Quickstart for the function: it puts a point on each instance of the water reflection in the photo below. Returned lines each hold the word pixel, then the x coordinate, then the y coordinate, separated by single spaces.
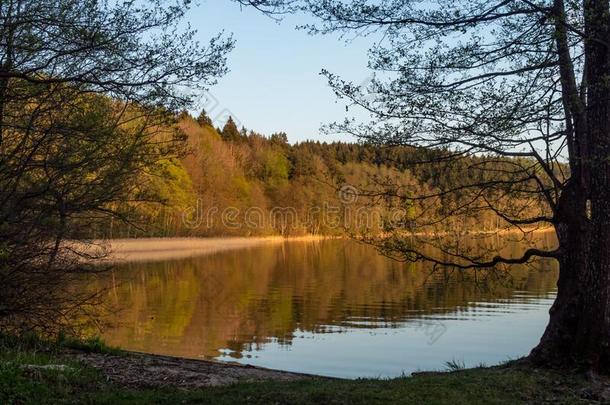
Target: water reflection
pixel 330 307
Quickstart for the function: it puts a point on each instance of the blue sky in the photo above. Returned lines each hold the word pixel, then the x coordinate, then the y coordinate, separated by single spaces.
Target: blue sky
pixel 274 83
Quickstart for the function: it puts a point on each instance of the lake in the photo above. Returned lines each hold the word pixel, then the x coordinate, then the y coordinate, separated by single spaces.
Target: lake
pixel 330 307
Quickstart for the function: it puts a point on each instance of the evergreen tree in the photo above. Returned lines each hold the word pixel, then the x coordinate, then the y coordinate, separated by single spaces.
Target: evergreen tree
pixel 203 119
pixel 230 132
pixel 279 138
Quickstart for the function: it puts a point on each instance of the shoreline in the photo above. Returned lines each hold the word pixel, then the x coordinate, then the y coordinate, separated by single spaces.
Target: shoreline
pixel 114 251
pixel 94 374
pixel 137 250
pixel 146 370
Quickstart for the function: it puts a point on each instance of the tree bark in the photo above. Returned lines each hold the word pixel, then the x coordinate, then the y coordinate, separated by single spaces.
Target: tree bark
pixel 557 345
pixel 578 332
pixel 595 334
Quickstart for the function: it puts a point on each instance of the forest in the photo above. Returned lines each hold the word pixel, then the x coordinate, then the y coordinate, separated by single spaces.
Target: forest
pixel 237 182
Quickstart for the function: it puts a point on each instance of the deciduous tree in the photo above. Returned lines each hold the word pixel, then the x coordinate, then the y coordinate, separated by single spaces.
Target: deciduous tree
pixel 88 94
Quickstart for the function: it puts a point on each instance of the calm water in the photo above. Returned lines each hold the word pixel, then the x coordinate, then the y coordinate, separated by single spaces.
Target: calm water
pixel 334 308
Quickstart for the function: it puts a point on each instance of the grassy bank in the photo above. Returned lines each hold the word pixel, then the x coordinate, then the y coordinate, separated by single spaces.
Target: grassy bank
pixel 31 372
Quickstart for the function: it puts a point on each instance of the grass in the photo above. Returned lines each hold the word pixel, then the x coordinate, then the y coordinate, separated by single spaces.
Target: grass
pixel 92 344
pixel 455 365
pixel 32 343
pixel 508 384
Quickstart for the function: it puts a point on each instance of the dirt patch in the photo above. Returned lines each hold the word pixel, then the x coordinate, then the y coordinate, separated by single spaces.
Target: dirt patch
pixel 139 370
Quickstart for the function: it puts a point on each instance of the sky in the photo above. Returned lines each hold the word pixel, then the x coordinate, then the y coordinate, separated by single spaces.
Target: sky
pixel 274 83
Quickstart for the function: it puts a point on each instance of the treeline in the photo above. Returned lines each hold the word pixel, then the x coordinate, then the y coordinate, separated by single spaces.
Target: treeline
pixel 230 181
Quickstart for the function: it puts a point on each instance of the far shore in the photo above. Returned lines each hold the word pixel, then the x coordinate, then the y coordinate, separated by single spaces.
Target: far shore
pixel 159 249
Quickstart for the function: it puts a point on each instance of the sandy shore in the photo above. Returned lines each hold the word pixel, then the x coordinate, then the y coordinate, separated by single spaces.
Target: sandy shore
pixel 158 249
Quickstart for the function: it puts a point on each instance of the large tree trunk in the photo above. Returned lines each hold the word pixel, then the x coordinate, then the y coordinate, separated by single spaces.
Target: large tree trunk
pixel 578 332
pixel 597 273
pixel 558 345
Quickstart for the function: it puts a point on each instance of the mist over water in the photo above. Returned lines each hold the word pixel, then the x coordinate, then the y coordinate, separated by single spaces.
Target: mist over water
pixel 333 307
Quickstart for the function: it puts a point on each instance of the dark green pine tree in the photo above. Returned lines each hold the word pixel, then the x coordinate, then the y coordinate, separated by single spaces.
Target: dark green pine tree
pixel 203 119
pixel 230 132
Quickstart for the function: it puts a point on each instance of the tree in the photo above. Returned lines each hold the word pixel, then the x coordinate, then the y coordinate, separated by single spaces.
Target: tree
pixel 523 83
pixel 89 92
pixel 230 132
pixel 279 138
pixel 203 119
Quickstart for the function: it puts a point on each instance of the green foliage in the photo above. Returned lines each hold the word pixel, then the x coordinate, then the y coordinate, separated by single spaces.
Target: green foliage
pixel 171 184
pixel 276 168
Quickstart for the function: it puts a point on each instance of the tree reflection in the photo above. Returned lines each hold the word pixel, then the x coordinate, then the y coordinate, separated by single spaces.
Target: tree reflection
pixel 243 299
